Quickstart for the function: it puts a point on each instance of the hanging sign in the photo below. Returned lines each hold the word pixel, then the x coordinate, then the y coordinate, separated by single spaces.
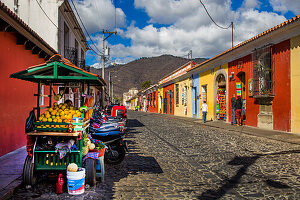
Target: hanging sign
pixel 239 89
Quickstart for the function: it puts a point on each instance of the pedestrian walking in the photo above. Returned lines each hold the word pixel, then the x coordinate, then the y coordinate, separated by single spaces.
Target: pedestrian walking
pixel 238 111
pixel 233 102
pixel 204 109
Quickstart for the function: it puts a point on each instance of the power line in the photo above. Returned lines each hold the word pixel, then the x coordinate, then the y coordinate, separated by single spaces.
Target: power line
pixel 46 14
pixel 231 24
pixel 86 30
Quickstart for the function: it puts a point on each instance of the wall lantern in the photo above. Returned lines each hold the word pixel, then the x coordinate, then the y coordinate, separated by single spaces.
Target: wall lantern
pixel 231 75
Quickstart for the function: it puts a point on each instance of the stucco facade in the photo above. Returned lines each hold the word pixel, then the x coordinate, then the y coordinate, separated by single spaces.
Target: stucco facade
pixel 183 106
pixel 295 84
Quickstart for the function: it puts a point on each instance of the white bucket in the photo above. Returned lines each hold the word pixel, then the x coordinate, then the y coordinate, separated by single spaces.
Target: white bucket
pixel 76 181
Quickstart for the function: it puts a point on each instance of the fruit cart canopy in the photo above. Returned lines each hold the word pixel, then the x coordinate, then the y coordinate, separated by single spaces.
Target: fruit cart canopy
pixel 58 70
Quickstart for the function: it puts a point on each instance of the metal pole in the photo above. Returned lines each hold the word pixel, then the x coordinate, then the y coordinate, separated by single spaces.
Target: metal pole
pixel 112 92
pixel 109 78
pixel 231 34
pixel 103 52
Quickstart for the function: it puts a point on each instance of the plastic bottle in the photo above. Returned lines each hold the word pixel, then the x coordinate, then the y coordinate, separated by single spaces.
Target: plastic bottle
pixel 60 184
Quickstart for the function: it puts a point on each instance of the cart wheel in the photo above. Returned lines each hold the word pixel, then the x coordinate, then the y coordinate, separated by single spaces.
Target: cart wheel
pixel 102 169
pixel 29 174
pixel 90 170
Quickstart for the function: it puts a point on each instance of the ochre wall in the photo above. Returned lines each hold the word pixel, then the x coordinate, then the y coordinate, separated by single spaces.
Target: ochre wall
pixel 207 78
pixel 16 96
pixel 179 108
pixel 295 84
pixel 282 100
pixel 252 107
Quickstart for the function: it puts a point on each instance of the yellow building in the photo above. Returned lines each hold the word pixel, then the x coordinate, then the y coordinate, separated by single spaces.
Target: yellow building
pixel 295 83
pixel 160 96
pixel 213 83
pixel 182 93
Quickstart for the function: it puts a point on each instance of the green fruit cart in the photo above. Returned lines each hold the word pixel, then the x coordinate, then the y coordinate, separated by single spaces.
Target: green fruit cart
pixel 54 73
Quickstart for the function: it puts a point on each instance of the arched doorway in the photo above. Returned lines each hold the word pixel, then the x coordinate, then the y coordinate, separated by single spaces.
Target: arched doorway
pixel 221 97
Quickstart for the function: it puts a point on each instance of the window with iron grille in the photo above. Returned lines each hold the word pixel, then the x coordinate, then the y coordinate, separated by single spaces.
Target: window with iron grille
pixel 263 72
pixel 177 94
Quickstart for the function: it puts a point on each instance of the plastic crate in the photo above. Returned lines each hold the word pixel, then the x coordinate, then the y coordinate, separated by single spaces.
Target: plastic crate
pixel 49 160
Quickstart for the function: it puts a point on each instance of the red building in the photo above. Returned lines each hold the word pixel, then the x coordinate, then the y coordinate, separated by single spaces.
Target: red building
pixel 151 94
pixel 168 99
pixel 253 78
pixel 20 48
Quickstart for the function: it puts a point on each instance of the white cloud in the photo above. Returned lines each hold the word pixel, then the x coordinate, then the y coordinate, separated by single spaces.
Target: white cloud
pixel 189 27
pixel 284 6
pixel 100 14
pixel 251 4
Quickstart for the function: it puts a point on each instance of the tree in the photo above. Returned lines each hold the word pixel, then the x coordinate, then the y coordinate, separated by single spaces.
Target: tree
pixel 146 84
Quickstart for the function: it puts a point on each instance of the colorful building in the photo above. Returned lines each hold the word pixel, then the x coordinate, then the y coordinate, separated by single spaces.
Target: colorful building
pixel 172 86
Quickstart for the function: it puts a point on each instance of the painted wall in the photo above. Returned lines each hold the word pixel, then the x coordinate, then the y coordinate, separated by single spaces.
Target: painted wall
pixel 153 107
pixel 160 94
pixel 179 109
pixel 295 83
pixel 252 106
pixel 208 79
pixel 282 100
pixel 31 13
pixel 194 94
pixel 166 91
pixel 16 96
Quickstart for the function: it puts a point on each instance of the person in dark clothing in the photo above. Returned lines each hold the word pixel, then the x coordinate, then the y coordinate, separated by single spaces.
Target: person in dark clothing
pixel 233 102
pixel 238 111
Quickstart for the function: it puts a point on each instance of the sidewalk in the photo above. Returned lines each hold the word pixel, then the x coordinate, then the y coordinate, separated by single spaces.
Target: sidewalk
pixel 11 170
pixel 270 134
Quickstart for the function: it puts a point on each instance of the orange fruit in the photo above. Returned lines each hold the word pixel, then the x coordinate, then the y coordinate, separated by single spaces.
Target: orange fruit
pixel 55 120
pixel 44 119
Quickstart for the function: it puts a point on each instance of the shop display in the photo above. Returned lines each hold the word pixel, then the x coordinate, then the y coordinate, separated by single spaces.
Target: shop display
pixel 221 104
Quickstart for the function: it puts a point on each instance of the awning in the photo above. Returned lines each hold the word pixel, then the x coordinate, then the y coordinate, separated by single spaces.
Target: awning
pixel 56 71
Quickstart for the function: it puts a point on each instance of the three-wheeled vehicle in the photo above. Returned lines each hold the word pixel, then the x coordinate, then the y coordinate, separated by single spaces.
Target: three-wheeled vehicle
pixel 54 73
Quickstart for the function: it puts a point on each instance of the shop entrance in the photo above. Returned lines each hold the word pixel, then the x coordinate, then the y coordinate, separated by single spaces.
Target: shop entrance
pixel 241 91
pixel 221 97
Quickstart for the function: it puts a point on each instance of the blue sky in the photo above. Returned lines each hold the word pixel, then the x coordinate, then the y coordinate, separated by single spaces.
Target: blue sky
pixel 152 28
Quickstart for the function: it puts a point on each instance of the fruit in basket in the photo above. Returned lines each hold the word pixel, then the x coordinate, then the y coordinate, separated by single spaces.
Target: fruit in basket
pixel 49 119
pixel 72 167
pixel 44 119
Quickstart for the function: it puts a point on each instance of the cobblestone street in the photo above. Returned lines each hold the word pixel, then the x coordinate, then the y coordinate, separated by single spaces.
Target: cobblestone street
pixel 177 158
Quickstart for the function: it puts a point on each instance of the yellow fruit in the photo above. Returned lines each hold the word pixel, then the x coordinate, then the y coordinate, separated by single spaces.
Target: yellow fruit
pixel 39 126
pixel 57 113
pixel 53 116
pixel 52 126
pixel 53 112
pixel 54 120
pixel 62 113
pixel 44 119
pixel 62 117
pixel 46 112
pixel 41 118
pixel 59 110
pixel 78 115
pixel 62 126
pixel 49 119
pixel 48 115
pixel 47 126
pixel 72 111
pixel 50 109
pixel 55 104
pixel 63 107
pixel 69 116
pixel 59 120
pixel 66 121
pixel 56 126
pixel 66 112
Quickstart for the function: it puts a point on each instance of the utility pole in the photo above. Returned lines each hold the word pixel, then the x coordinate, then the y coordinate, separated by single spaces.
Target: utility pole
pixel 112 92
pixel 103 47
pixel 109 79
pixel 231 34
pixel 103 55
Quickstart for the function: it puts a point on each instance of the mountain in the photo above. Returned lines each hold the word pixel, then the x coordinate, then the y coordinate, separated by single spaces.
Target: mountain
pixel 133 74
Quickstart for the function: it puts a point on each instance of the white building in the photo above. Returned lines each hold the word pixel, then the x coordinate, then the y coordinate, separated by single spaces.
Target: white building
pixel 55 22
pixel 128 95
